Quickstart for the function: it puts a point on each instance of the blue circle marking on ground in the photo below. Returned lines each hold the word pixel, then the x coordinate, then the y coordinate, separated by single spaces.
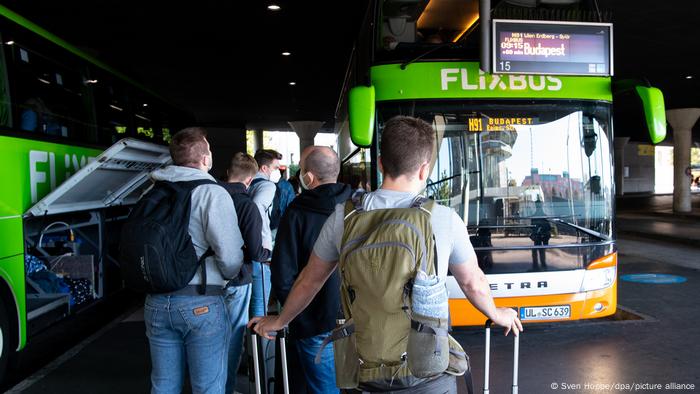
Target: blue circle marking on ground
pixel 658 279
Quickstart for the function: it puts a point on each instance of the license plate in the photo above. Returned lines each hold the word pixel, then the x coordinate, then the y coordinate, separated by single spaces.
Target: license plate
pixel 545 312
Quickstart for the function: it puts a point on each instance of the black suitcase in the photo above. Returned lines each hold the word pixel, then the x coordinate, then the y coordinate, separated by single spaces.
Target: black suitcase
pixel 487 359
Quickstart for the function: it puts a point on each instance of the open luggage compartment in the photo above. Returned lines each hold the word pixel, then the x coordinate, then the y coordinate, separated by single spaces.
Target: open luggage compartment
pixel 72 234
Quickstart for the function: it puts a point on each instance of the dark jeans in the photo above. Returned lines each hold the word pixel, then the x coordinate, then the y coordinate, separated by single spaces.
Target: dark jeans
pixel 320 378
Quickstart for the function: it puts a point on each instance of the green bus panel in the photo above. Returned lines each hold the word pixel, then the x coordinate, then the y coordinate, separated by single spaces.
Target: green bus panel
pixel 436 80
pixel 31 169
pixel 11 233
pixel 12 272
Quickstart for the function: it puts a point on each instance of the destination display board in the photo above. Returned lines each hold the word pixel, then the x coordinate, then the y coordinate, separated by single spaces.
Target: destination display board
pixel 555 48
pixel 499 124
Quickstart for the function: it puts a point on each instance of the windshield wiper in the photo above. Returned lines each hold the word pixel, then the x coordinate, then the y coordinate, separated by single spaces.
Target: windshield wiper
pixel 579 228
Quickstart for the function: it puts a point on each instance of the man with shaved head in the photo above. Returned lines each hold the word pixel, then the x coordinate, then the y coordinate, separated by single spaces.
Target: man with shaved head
pixel 298 230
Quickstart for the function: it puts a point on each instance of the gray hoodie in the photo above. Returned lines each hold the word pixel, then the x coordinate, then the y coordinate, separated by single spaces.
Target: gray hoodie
pixel 213 223
pixel 263 193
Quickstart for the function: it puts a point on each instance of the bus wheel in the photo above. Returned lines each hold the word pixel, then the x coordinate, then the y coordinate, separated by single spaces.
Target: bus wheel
pixel 5 341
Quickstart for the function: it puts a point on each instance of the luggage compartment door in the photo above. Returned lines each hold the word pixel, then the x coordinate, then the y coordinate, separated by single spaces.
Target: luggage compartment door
pixel 118 176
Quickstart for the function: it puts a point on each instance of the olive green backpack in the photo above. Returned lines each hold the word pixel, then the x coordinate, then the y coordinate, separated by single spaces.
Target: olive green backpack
pixel 382 344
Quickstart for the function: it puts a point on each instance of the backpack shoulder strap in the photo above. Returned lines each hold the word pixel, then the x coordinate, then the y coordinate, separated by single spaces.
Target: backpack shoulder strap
pixel 188 187
pixel 185 186
pixel 258 180
pixel 424 204
pixel 197 182
pixel 354 204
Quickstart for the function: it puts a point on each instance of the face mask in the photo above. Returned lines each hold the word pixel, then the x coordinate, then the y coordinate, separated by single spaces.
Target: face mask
pixel 303 184
pixel 275 176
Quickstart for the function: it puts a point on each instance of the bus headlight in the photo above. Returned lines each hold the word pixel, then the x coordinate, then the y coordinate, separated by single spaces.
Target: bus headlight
pixel 600 278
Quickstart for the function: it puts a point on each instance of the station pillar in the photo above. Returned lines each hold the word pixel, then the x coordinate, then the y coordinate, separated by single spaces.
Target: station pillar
pixel 259 142
pixel 682 121
pixel 306 130
pixel 620 143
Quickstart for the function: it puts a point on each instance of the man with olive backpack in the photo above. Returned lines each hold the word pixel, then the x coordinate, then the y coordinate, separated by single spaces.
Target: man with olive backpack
pixel 394 247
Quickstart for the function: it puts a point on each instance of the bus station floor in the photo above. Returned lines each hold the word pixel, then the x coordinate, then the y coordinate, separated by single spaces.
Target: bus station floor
pixel 653 217
pixel 653 340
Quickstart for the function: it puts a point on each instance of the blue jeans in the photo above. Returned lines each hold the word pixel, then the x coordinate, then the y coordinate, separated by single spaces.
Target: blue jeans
pixel 320 378
pixel 187 330
pixel 258 300
pixel 237 300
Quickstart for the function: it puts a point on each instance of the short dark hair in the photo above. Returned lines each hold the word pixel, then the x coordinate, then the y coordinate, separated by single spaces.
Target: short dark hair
pixel 407 142
pixel 188 146
pixel 242 166
pixel 324 163
pixel 265 157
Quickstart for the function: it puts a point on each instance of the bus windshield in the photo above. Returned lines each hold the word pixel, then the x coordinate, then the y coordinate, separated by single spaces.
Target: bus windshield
pixel 407 29
pixel 518 173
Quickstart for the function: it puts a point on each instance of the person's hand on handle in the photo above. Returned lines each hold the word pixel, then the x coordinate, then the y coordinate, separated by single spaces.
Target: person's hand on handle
pixel 508 318
pixel 264 326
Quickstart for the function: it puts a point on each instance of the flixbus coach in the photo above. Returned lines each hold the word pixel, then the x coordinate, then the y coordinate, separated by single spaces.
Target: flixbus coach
pixel 521 105
pixel 65 190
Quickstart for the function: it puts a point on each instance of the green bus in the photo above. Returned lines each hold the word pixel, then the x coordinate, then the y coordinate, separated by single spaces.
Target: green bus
pixel 60 111
pixel 525 159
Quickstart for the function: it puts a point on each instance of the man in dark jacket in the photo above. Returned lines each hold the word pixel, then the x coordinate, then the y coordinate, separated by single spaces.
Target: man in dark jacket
pixel 238 291
pixel 299 228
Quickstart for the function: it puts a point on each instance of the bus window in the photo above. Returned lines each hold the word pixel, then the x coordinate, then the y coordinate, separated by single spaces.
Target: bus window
pixel 551 168
pixel 357 169
pixel 112 107
pixel 5 104
pixel 165 130
pixel 445 182
pixel 505 168
pixel 48 98
pixel 143 119
pixel 417 25
pixel 166 122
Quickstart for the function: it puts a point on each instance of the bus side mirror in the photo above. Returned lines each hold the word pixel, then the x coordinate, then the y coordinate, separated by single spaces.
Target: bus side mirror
pixel 361 109
pixel 654 112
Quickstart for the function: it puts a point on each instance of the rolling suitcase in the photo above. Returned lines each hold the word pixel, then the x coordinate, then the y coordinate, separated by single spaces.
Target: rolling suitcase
pixel 487 359
pixel 261 384
pixel 262 376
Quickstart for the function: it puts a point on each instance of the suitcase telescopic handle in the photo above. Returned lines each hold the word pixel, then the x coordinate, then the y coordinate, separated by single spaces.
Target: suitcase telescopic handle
pixel 487 358
pixel 282 335
pixel 256 366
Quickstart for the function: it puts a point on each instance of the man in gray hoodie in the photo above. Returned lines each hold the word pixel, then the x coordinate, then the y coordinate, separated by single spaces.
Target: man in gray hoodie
pixel 184 327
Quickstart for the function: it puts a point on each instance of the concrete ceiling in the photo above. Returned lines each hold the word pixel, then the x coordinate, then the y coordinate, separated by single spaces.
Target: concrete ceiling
pixel 222 60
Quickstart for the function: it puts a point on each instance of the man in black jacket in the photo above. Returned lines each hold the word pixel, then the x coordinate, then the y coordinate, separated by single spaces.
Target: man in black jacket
pixel 297 233
pixel 238 291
